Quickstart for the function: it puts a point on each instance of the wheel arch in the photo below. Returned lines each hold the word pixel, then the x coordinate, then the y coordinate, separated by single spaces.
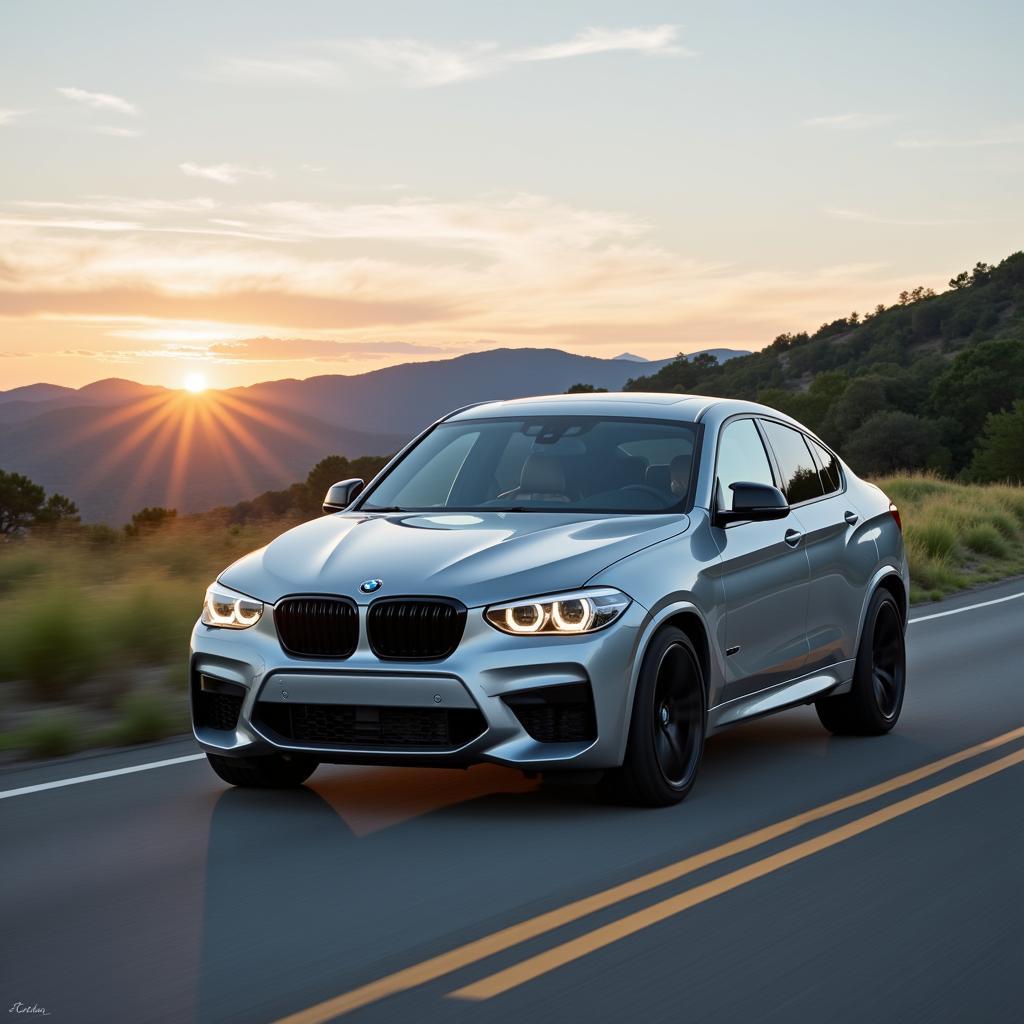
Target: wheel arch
pixel 893 582
pixel 686 616
pixel 693 626
pixel 887 578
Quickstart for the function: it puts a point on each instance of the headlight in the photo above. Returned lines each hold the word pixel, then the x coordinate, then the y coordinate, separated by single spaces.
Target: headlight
pixel 227 609
pixel 584 611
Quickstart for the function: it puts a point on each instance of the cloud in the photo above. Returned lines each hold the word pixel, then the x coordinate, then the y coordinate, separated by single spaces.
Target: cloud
pixel 224 174
pixel 8 116
pixel 862 217
pixel 117 132
pixel 99 100
pixel 421 64
pixel 848 120
pixel 281 350
pixel 661 40
pixel 335 281
pixel 299 69
pixel 1010 136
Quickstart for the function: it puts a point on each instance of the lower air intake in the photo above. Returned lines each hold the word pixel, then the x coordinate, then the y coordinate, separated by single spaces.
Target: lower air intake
pixel 358 726
pixel 216 704
pixel 556 714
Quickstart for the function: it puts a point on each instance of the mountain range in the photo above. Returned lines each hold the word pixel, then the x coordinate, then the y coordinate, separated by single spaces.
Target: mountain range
pixel 115 446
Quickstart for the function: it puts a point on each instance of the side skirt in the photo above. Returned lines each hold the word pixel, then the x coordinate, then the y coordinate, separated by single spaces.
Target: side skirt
pixel 806 689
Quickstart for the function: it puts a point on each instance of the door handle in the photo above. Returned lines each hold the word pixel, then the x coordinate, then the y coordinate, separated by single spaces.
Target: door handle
pixel 793 537
pixel 851 518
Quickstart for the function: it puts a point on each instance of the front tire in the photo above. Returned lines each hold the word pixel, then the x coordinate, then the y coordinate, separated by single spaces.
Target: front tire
pixel 666 730
pixel 873 705
pixel 271 771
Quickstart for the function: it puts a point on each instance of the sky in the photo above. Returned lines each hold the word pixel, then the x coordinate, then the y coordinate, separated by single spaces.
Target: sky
pixel 250 191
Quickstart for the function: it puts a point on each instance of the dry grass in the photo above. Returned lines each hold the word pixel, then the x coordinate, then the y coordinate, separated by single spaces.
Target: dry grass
pixel 958 535
pixel 90 618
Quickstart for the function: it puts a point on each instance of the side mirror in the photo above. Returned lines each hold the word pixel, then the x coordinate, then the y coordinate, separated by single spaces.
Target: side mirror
pixel 341 495
pixel 753 503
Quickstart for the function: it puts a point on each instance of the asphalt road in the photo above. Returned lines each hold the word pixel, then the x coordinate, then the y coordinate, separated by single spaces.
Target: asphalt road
pixel 162 895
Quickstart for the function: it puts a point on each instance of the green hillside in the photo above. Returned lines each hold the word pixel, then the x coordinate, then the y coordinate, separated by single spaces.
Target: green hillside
pixel 934 382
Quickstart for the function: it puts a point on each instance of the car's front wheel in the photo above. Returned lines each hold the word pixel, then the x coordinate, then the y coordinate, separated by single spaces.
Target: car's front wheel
pixel 873 704
pixel 270 771
pixel 666 731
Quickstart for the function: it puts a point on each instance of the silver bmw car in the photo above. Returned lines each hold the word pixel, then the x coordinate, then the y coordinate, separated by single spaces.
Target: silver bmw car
pixel 587 584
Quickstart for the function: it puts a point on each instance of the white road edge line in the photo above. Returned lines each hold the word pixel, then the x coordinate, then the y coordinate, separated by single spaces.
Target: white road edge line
pixel 966 608
pixel 60 783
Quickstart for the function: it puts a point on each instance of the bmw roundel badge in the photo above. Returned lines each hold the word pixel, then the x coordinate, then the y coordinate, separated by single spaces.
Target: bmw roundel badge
pixel 371 586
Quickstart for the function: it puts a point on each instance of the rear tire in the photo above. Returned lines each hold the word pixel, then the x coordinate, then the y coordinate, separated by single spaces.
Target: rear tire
pixel 872 707
pixel 270 771
pixel 666 729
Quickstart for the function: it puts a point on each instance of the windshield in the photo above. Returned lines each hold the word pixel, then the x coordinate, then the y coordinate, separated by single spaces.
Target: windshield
pixel 554 464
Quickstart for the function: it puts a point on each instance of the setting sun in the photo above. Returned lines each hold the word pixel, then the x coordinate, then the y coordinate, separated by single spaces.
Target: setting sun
pixel 195 382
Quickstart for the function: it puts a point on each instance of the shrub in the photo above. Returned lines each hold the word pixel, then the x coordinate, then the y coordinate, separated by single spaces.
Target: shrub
pixel 142 718
pixel 49 735
pixel 936 536
pixel 49 641
pixel 985 539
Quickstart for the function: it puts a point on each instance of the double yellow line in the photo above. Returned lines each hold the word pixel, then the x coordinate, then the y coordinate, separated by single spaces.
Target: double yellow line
pixel 535 966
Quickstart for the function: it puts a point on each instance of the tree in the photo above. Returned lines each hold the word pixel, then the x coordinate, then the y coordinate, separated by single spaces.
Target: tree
pixel 892 441
pixel 149 520
pixel 23 505
pixel 58 509
pixel 983 379
pixel 862 398
pixel 704 361
pixel 1000 452
pixel 584 389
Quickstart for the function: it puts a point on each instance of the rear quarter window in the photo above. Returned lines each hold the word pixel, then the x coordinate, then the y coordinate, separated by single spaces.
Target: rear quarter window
pixel 800 478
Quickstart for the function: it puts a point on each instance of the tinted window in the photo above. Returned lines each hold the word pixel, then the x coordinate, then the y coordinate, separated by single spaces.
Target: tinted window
pixel 557 464
pixel 741 458
pixel 828 466
pixel 800 480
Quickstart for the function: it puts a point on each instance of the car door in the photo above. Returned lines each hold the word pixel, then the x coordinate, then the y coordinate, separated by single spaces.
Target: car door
pixel 765 573
pixel 814 485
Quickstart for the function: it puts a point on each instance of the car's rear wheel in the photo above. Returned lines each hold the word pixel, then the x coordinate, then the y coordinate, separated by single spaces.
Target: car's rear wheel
pixel 666 731
pixel 873 705
pixel 270 771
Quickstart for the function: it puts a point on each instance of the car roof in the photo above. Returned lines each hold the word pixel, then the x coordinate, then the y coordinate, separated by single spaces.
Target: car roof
pixel 640 404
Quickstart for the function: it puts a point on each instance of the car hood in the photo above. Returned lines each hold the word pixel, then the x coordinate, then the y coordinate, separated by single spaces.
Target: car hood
pixel 478 558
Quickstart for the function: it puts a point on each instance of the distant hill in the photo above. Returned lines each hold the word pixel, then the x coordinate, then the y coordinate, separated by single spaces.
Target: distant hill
pixel 115 445
pixel 115 459
pixel 409 396
pixel 908 386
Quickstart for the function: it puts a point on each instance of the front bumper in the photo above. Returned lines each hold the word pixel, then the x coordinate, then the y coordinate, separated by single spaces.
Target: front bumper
pixel 487 667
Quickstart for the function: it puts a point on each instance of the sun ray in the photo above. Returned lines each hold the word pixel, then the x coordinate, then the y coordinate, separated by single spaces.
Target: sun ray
pixel 238 432
pixel 249 408
pixel 132 440
pixel 211 430
pixel 180 459
pixel 155 452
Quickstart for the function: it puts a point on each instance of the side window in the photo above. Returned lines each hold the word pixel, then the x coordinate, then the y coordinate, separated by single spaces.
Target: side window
pixel 800 480
pixel 741 457
pixel 828 467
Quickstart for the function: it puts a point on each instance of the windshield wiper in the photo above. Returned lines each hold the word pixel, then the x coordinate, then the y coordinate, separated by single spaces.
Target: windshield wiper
pixel 385 508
